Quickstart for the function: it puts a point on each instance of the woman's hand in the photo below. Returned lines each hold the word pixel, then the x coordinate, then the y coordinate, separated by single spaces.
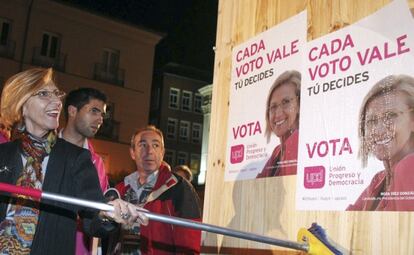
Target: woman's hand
pixel 126 213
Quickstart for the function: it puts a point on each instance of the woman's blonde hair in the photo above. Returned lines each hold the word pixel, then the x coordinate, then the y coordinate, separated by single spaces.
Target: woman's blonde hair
pixel 288 77
pixel 392 83
pixel 18 89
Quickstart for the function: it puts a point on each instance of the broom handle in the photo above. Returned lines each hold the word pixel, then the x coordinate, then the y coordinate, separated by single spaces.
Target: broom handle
pixel 38 194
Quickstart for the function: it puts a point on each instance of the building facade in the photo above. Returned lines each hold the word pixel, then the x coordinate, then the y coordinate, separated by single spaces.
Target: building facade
pixel 176 108
pixel 206 93
pixel 85 50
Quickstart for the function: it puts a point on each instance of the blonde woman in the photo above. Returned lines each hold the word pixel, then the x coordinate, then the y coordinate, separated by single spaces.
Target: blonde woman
pixel 386 131
pixel 282 119
pixel 37 158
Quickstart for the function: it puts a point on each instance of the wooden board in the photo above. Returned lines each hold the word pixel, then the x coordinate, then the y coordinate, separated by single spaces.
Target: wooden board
pixel 267 206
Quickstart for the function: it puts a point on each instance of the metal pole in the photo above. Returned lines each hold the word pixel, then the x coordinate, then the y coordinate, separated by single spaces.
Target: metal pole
pixel 225 231
pixel 183 222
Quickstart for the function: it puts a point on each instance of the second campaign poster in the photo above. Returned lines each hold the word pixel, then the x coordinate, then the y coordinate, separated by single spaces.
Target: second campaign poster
pixel 356 144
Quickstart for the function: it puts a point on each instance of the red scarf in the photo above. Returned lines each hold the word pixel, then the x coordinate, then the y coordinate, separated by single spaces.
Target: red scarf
pixel 35 149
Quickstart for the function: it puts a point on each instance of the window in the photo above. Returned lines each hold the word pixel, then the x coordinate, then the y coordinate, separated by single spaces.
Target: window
pixel 5 27
pixel 196 133
pixel 172 128
pixel 182 158
pixel 174 96
pixel 186 100
pixel 198 100
pixel 195 163
pixel 50 45
pixel 108 69
pixel 110 60
pixel 7 46
pixel 184 130
pixel 169 157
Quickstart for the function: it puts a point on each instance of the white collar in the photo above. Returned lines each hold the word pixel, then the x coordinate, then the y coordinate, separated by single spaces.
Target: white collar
pixel 132 180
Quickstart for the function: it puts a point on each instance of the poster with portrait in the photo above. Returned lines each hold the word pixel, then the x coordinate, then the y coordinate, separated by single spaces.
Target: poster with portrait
pixel 251 138
pixel 356 142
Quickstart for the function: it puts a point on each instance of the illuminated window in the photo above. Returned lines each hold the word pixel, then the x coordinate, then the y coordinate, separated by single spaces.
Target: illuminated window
pixel 172 128
pixel 196 133
pixel 169 157
pixel 184 131
pixel 198 100
pixel 174 97
pixel 5 27
pixel 50 45
pixel 186 100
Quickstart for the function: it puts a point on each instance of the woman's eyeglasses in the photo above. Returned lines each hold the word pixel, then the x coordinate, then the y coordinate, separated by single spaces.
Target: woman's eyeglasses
pixel 47 94
pixel 284 105
pixel 387 118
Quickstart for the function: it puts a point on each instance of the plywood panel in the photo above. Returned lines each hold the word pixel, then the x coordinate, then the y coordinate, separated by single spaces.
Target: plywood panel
pixel 267 206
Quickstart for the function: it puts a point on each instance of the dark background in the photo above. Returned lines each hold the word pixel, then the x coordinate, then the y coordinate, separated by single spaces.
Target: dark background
pixel 188 26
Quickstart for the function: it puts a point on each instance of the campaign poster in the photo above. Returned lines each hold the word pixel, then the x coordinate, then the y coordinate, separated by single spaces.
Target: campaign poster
pixel 356 143
pixel 253 138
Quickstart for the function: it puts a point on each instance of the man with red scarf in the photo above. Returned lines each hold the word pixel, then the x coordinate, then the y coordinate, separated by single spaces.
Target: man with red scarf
pixel 158 190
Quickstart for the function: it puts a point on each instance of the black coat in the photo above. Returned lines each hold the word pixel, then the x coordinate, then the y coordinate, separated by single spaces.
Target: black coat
pixel 69 172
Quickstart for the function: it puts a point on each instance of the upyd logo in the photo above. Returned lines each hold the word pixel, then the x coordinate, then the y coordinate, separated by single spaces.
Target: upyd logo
pixel 236 153
pixel 314 177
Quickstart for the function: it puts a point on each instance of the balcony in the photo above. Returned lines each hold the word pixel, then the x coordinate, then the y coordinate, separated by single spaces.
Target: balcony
pixel 7 50
pixel 109 130
pixel 109 75
pixel 58 62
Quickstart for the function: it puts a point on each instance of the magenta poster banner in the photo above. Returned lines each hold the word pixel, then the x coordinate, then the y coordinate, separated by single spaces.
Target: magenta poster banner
pixel 262 114
pixel 356 142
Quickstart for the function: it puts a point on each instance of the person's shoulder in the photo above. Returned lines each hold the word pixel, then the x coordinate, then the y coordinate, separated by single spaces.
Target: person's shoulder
pixel 182 183
pixel 178 178
pixel 293 138
pixel 68 148
pixel 8 145
pixel 403 169
pixel 3 138
pixel 378 177
pixel 406 163
pixel 164 173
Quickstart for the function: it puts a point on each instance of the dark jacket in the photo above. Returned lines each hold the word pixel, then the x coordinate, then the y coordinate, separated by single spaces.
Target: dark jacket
pixel 69 172
pixel 171 196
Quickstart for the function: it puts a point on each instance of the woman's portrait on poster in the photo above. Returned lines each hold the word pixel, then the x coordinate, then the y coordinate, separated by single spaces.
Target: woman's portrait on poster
pixel 282 120
pixel 386 132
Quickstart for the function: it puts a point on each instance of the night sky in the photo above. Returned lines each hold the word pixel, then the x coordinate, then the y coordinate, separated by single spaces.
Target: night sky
pixel 189 26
